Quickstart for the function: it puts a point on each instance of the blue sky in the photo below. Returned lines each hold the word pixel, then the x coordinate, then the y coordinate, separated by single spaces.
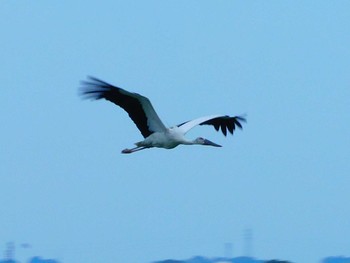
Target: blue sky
pixel 67 190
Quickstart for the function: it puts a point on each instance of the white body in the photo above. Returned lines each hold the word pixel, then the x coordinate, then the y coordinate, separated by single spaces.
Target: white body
pixel 169 139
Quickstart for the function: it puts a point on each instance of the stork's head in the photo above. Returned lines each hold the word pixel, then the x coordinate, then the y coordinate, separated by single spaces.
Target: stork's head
pixel 202 141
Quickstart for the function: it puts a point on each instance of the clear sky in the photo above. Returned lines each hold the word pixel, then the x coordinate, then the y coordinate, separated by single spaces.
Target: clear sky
pixel 68 191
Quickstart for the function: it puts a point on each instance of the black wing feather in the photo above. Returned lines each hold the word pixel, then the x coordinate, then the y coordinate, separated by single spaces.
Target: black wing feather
pixel 98 89
pixel 225 123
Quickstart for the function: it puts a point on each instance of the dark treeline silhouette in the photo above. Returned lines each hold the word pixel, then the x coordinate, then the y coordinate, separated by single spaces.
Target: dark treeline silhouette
pixel 340 259
pixel 199 259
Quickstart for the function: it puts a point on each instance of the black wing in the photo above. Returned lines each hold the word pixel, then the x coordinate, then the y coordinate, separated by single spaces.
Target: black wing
pixel 137 106
pixel 225 123
pixel 218 121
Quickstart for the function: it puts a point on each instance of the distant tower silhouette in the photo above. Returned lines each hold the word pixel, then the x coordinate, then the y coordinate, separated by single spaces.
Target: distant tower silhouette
pixel 10 251
pixel 228 250
pixel 248 242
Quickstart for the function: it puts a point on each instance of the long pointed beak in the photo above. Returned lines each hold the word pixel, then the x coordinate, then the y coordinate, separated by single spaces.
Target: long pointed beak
pixel 207 142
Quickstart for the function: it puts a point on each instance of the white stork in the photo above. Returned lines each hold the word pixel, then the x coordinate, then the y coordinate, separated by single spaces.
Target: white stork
pixel 141 111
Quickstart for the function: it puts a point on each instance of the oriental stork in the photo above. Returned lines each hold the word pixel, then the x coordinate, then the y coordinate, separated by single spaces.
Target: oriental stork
pixel 142 113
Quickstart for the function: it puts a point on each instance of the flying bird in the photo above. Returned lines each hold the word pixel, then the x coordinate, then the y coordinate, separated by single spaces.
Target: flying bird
pixel 155 133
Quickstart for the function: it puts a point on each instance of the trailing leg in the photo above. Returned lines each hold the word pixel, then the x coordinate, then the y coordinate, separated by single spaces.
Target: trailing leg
pixel 134 149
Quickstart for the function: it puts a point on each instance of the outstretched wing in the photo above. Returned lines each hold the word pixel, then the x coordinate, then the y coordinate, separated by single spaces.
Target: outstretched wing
pixel 137 106
pixel 218 121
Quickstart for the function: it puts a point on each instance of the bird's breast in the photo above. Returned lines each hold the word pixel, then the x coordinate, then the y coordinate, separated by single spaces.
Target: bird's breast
pixel 167 140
